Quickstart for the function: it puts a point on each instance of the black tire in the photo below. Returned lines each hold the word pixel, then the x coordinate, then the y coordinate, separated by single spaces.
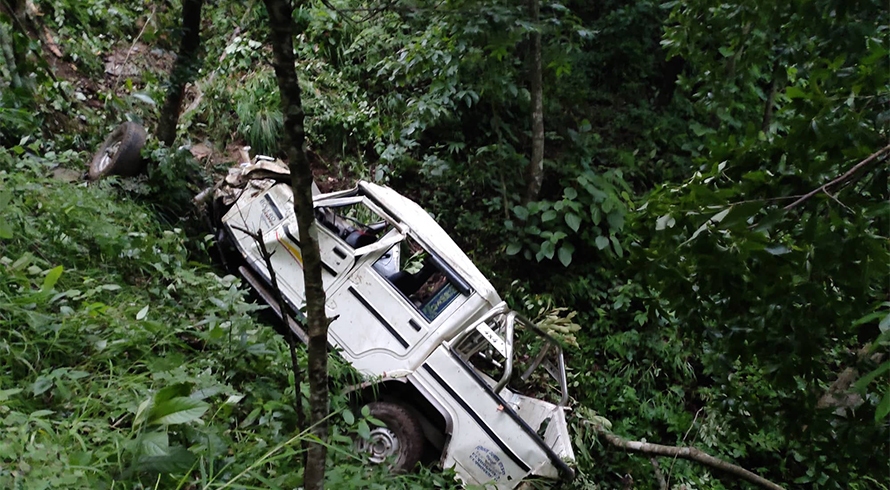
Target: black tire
pixel 120 153
pixel 399 443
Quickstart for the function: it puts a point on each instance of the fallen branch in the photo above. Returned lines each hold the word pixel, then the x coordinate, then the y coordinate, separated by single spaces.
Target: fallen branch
pixel 842 178
pixel 688 453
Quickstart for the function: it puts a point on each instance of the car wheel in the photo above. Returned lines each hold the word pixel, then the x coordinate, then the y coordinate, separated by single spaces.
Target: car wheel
pixel 399 442
pixel 120 153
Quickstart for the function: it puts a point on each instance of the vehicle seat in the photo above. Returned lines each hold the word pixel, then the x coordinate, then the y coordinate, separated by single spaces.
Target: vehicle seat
pixel 409 283
pixel 359 239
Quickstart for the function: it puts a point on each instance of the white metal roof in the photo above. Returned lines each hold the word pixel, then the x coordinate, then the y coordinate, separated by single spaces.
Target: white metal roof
pixel 425 228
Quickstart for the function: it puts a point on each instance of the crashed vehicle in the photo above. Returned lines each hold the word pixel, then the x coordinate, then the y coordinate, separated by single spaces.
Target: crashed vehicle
pixel 451 370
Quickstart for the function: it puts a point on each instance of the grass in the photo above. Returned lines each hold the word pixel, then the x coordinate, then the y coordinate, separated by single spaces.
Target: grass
pixel 126 361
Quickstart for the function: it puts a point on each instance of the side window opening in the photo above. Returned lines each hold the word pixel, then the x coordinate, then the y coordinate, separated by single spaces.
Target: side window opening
pixel 413 271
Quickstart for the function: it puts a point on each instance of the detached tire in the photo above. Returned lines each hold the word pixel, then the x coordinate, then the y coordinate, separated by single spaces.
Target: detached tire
pixel 119 154
pixel 400 440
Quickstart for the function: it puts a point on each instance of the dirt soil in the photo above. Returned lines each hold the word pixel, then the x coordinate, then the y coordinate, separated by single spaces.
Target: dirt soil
pixel 131 61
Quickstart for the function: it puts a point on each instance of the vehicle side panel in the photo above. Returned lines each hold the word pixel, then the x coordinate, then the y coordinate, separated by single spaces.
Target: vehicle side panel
pixel 488 443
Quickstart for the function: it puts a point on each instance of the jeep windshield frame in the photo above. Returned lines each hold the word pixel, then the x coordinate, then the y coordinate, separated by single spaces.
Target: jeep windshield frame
pixel 505 346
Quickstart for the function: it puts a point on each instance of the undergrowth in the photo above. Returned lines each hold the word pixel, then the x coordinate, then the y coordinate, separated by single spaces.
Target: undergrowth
pixel 126 363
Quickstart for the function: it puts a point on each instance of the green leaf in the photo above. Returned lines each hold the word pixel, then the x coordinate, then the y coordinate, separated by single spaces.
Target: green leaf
pixel 179 410
pixel 616 220
pixel 548 215
pixel 602 242
pixel 699 129
pixel 154 443
pixel 5 394
pixel 348 417
pixel 574 221
pixel 777 250
pixel 176 459
pixel 665 221
pixel 521 212
pixel 795 93
pixel 570 193
pixel 883 408
pixel 52 277
pixel 173 391
pixel 142 411
pixel 548 249
pixel 142 313
pixel 719 216
pixel 617 245
pixel 513 248
pixel 364 431
pixel 739 214
pixel 596 214
pixel 144 98
pixel 42 384
pixel 565 253
pixel 864 381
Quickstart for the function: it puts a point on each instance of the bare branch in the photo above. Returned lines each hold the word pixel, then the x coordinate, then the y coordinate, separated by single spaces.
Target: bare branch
pixel 117 81
pixel 688 453
pixel 842 178
pixel 292 336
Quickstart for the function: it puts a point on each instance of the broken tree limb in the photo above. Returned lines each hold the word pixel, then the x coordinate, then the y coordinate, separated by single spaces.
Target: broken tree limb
pixel 688 453
pixel 841 179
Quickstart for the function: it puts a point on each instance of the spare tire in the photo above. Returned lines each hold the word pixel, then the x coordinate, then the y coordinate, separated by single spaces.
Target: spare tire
pixel 120 153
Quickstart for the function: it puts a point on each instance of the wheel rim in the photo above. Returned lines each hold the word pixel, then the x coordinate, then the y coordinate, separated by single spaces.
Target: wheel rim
pixel 108 156
pixel 381 444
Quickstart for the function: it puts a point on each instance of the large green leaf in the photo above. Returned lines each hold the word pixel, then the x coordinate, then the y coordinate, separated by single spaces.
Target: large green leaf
pixel 178 410
pixel 574 221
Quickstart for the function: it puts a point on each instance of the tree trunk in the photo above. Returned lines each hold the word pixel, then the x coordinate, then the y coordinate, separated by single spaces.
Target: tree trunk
pixel 282 32
pixel 768 106
pixel 535 169
pixel 7 48
pixel 184 70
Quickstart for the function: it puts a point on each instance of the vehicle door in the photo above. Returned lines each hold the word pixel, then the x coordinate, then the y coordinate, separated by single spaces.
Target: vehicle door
pixel 395 297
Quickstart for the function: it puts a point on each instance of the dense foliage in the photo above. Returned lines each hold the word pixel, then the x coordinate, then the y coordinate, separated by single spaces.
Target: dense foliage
pixel 714 298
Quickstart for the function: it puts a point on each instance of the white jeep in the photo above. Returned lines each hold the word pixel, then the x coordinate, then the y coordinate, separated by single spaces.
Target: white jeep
pixel 451 369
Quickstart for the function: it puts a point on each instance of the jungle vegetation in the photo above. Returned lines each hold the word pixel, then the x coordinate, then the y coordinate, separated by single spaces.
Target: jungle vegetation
pixel 692 195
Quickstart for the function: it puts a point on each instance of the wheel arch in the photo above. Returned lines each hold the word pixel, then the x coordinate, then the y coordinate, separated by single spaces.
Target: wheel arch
pixel 435 421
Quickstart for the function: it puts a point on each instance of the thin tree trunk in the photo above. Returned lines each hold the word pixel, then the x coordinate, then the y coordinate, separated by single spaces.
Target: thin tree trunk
pixel 768 106
pixel 184 70
pixel 282 33
pixel 8 50
pixel 535 169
